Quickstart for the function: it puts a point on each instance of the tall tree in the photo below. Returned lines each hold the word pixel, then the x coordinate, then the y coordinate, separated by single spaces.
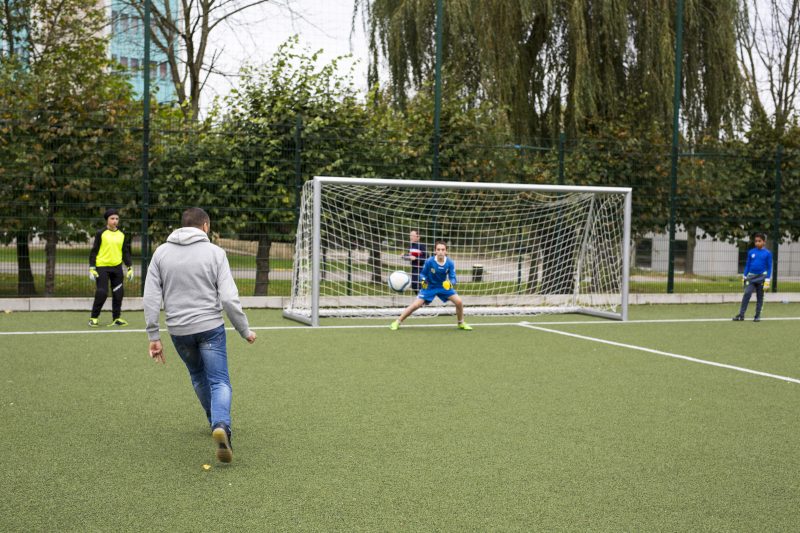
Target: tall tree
pixel 62 104
pixel 243 159
pixel 558 65
pixel 276 106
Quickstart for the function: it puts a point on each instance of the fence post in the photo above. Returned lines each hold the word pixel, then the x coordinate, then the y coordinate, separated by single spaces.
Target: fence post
pixel 145 238
pixel 437 90
pixel 561 143
pixel 673 182
pixel 298 162
pixel 776 229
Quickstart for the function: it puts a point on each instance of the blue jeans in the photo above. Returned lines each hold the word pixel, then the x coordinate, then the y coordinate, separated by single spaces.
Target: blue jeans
pixel 206 357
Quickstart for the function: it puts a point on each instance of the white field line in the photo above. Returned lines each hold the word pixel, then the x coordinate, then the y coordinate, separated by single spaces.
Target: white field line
pixel 659 352
pixel 405 326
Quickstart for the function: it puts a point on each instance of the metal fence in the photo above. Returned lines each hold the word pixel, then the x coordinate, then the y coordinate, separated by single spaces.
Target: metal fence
pixel 57 178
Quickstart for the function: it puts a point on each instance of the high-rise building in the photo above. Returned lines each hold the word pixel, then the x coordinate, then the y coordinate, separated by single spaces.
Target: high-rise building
pixel 16 45
pixel 126 46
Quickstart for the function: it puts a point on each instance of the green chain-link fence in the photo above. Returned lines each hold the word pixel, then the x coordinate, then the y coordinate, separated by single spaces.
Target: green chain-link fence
pixel 57 177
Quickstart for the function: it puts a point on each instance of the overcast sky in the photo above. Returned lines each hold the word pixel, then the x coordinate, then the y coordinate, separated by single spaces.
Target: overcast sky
pixel 320 24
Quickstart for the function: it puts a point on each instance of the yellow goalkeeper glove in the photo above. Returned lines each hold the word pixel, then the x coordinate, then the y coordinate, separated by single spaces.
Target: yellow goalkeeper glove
pixel 424 284
pixel 129 274
pixel 766 284
pixel 447 285
pixel 93 275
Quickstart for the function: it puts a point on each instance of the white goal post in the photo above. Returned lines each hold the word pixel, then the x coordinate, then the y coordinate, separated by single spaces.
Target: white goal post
pixel 518 249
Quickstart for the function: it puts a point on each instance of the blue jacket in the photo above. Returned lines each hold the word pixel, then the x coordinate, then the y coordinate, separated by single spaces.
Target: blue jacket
pixel 758 262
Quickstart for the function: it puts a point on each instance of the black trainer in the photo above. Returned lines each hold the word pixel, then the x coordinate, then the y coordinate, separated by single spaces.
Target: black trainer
pixel 222 439
pixel 738 318
pixel 756 318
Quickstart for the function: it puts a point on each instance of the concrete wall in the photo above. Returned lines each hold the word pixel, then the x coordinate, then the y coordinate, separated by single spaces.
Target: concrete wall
pixel 716 258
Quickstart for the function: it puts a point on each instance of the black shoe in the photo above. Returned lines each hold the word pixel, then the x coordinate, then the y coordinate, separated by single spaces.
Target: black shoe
pixel 738 318
pixel 756 318
pixel 222 439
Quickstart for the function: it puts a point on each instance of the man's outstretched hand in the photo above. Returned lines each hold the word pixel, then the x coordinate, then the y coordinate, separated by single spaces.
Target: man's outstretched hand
pixel 157 352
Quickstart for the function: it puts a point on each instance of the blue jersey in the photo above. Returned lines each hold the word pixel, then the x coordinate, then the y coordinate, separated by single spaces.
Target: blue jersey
pixel 435 274
pixel 759 262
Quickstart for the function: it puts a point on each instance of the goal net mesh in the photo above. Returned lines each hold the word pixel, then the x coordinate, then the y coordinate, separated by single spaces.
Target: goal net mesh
pixel 516 251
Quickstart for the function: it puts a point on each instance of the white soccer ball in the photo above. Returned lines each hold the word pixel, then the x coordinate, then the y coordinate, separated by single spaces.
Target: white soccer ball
pixel 399 281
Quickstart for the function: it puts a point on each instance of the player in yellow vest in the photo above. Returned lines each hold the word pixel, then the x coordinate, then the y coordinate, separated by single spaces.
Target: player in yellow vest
pixel 111 248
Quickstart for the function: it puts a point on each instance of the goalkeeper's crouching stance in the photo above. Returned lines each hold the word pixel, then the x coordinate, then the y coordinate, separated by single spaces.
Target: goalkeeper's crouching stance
pixel 437 279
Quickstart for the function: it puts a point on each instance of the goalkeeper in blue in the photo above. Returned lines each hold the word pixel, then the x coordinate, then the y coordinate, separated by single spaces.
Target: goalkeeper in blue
pixel 437 280
pixel 756 276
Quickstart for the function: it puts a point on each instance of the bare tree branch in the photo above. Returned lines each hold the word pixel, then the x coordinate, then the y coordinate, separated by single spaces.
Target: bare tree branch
pixel 769 57
pixel 185 37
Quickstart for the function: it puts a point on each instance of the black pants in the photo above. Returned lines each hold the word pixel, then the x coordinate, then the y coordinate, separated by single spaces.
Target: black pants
pixel 106 275
pixel 756 285
pixel 416 268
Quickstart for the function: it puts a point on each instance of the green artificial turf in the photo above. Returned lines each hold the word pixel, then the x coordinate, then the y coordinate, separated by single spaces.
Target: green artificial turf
pixel 425 428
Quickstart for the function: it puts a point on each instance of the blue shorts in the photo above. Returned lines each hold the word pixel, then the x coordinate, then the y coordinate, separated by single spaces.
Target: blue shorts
pixel 430 293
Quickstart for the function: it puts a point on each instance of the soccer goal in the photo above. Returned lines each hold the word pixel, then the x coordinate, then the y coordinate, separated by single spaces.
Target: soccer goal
pixel 518 249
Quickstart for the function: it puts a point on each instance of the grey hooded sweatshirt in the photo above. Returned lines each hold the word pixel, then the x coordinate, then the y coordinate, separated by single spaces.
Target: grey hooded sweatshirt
pixel 193 279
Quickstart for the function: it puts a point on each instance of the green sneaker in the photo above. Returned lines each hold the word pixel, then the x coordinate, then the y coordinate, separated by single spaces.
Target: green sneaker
pixel 464 326
pixel 94 323
pixel 118 322
pixel 394 325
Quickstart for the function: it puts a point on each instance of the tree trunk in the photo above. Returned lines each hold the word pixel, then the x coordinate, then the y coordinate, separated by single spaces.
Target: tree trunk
pixel 533 252
pixel 25 284
pixel 691 242
pixel 375 264
pixel 533 272
pixel 262 264
pixel 51 239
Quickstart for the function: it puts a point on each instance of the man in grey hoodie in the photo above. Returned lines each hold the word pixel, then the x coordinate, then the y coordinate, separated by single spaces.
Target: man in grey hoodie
pixel 193 279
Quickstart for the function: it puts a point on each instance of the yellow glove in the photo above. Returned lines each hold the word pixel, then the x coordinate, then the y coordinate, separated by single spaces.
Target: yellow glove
pixel 447 285
pixel 129 274
pixel 766 284
pixel 424 284
pixel 744 281
pixel 93 275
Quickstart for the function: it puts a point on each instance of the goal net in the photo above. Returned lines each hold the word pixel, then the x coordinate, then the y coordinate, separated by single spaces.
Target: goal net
pixel 518 249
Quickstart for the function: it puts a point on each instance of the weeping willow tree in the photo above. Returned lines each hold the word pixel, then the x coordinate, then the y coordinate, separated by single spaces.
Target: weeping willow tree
pixel 558 65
